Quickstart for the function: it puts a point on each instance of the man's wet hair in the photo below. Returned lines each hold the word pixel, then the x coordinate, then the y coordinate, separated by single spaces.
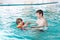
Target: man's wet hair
pixel 17 20
pixel 40 12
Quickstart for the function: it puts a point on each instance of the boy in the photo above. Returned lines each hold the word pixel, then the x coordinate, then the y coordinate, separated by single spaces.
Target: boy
pixel 21 24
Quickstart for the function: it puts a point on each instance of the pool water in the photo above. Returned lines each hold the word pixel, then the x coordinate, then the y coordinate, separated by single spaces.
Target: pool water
pixel 9 31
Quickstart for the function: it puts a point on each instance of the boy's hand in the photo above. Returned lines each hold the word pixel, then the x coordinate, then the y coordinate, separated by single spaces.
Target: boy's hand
pixel 28 23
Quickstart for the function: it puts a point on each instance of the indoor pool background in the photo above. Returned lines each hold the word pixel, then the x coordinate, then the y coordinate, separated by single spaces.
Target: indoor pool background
pixel 9 31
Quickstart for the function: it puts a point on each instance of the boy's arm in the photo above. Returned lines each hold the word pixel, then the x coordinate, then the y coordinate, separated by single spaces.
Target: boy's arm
pixel 26 24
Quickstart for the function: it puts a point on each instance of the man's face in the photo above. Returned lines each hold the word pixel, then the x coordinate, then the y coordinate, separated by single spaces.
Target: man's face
pixel 38 15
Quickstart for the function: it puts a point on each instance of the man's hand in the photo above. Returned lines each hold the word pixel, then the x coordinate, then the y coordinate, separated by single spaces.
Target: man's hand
pixel 33 27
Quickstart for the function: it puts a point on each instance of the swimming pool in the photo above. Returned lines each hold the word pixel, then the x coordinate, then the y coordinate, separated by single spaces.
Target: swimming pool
pixel 9 31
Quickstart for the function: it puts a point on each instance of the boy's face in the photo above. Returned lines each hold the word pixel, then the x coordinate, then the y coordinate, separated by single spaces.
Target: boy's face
pixel 19 20
pixel 38 15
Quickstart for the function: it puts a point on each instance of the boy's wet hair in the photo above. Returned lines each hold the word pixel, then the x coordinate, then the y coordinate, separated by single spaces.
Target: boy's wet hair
pixel 17 20
pixel 40 12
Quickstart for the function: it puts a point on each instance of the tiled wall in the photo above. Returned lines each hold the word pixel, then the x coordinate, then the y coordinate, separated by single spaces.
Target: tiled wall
pixel 25 1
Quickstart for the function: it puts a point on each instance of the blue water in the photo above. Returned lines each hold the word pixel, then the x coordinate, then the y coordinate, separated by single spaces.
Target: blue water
pixel 9 31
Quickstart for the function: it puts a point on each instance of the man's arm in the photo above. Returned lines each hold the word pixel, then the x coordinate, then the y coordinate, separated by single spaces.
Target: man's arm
pixel 37 27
